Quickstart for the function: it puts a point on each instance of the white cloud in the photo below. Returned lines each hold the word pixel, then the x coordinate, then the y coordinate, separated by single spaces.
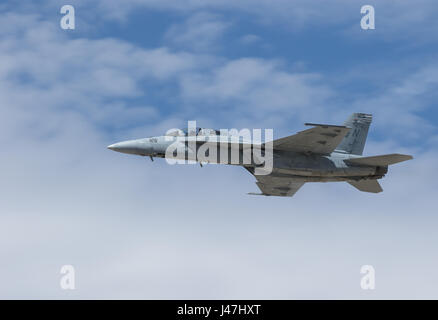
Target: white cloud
pixel 79 75
pixel 200 32
pixel 397 108
pixel 394 20
pixel 114 221
pixel 257 87
pixel 250 39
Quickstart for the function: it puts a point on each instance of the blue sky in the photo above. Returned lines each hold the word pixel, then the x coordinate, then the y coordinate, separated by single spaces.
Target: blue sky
pixel 135 68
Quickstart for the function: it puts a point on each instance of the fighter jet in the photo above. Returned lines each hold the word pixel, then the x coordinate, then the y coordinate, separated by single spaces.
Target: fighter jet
pixel 323 153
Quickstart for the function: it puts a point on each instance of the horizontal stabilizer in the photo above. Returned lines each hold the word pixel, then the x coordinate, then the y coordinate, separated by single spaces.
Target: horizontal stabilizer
pixel 367 185
pixel 383 160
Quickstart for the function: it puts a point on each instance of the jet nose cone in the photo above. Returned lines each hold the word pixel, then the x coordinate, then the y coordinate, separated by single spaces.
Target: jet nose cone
pixel 130 147
pixel 124 146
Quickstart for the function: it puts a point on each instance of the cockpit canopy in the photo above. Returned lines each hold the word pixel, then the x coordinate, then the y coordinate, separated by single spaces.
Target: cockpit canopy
pixel 208 132
pixel 176 133
pixel 192 132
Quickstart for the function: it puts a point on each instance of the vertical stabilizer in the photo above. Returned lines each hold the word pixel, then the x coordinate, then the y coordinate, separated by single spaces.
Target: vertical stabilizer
pixel 354 141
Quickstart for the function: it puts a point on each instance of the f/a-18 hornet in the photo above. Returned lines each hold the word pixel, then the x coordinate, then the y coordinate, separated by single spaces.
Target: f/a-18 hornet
pixel 324 153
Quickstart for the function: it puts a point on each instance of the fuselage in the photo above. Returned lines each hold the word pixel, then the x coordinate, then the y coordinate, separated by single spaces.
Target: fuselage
pixel 312 167
pixel 323 153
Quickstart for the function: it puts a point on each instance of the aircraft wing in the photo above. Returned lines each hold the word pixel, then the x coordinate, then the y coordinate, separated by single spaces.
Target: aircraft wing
pixel 277 186
pixel 321 139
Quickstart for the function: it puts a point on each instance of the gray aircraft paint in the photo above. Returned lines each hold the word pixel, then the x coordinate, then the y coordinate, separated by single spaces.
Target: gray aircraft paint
pixel 325 153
